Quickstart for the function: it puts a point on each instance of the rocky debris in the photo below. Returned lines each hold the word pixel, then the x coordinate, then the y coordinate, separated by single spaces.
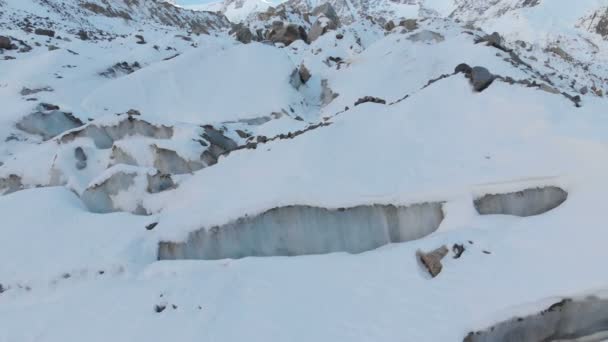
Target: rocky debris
pixel 389 26
pixel 426 36
pixel 140 39
pixel 409 24
pixel 48 123
pixel 371 99
pixel 44 32
pixel 81 158
pixel 121 68
pixel 327 95
pixel 242 33
pixel 432 260
pixel 528 202
pixel 458 249
pixel 169 162
pixel 27 91
pixel 104 136
pixel 494 40
pixel 6 44
pixel 304 73
pixel 327 20
pixel 583 319
pixel 286 34
pixel 10 183
pixel 83 35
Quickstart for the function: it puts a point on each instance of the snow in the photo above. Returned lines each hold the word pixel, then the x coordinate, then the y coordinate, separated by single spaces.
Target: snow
pixel 70 274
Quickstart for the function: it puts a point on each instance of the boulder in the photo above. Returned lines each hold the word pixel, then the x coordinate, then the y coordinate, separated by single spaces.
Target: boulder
pixel 286 34
pixel 304 73
pixel 432 260
pixel 327 20
pixel 5 43
pixel 44 32
pixel 328 11
pixel 409 24
pixel 244 35
pixel 481 78
pixel 389 26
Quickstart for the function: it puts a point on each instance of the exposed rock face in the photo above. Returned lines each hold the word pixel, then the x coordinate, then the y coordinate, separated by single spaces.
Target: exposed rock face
pixel 568 320
pixel 301 230
pixel 48 123
pixel 327 20
pixel 242 33
pixel 105 136
pixel 524 203
pixel 432 260
pixel 287 34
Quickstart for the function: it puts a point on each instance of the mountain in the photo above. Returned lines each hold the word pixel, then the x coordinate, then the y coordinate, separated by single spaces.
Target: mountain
pixel 360 170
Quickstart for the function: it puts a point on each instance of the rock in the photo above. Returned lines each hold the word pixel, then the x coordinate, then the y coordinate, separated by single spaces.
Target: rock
pixel 481 78
pixel 48 106
pixel 140 39
pixel 339 36
pixel 389 26
pixel 327 20
pixel 121 68
pixel 287 34
pixel 10 184
pixel 584 90
pixel 304 73
pixel 494 40
pixel 432 260
pixel 83 35
pixel 294 79
pixel 370 99
pixel 27 91
pixel 244 35
pixel 81 158
pixel 463 68
pixel 44 32
pixel 458 249
pixel 5 43
pixel 409 24
pixel 151 226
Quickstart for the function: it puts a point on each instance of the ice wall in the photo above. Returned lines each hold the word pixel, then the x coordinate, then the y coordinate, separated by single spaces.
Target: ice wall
pixel 300 230
pixel 522 203
pixel 568 320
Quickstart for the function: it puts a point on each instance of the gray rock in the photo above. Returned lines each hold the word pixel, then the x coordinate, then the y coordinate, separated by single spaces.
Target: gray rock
pixel 481 78
pixel 390 25
pixel 432 260
pixel 327 20
pixel 327 95
pixel 242 33
pixel 287 34
pixel 44 32
pixel 463 68
pixel 5 43
pixel 371 99
pixel 409 24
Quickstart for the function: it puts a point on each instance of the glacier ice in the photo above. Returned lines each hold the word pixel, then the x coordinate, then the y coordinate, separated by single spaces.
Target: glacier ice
pixel 301 230
pixel 48 124
pixel 567 320
pixel 528 202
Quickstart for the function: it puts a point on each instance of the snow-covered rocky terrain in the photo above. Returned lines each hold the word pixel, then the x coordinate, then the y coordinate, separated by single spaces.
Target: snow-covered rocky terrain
pixel 350 170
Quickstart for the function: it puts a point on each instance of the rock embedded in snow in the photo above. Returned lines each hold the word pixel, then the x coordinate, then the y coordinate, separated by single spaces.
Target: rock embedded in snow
pixel 529 202
pixel 371 99
pixel 480 78
pixel 327 20
pixel 5 43
pixel 44 32
pixel 242 33
pixel 287 34
pixel 301 230
pixel 409 24
pixel 432 260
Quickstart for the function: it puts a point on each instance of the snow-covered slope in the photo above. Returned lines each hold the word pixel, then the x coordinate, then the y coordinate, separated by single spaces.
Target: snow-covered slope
pixel 366 170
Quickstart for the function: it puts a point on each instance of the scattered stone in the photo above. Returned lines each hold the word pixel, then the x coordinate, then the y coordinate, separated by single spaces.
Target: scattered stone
pixel 389 26
pixel 370 99
pixel 432 260
pixel 409 24
pixel 151 226
pixel 27 91
pixel 122 68
pixel 304 73
pixel 140 39
pixel 45 32
pixel 457 249
pixel 158 308
pixel 242 33
pixel 174 306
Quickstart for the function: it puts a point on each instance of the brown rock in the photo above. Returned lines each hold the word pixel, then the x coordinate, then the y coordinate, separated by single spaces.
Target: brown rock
pixel 432 260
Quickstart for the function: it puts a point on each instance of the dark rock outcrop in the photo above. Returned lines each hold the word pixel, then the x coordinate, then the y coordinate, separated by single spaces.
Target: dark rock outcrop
pixel 44 32
pixel 5 43
pixel 432 260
